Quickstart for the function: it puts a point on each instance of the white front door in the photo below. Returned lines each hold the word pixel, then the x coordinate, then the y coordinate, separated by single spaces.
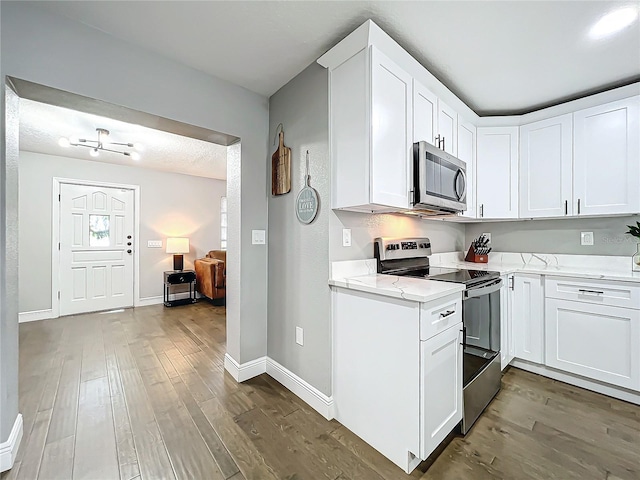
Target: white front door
pixel 96 248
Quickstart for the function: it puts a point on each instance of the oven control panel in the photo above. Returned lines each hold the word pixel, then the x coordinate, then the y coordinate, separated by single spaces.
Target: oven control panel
pixel 397 248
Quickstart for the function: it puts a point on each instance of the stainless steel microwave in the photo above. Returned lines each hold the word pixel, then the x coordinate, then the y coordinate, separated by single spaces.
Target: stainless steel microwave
pixel 440 180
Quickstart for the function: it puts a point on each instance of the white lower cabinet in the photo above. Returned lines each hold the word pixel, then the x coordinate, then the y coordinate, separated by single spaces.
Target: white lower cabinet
pixel 397 376
pixel 440 387
pixel 528 317
pixel 596 341
pixel 506 327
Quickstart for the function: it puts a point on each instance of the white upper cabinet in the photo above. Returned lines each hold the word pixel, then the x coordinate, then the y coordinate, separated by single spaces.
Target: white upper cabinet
pixel 371 132
pixel 447 138
pixel 546 168
pixel 607 158
pixel 425 113
pixel 467 153
pixel 497 172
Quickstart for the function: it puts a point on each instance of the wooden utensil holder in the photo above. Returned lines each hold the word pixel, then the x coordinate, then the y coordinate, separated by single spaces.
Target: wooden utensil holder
pixel 472 256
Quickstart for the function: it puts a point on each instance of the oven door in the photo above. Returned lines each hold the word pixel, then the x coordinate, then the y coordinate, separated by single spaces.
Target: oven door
pixel 441 178
pixel 481 316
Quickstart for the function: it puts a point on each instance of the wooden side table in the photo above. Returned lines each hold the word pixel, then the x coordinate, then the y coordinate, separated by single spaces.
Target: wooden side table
pixel 179 277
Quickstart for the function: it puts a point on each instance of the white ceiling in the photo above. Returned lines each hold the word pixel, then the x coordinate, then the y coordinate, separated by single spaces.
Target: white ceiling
pixel 498 56
pixel 42 125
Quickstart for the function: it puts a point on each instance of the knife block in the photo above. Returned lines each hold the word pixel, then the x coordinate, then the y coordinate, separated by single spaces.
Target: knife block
pixel 472 256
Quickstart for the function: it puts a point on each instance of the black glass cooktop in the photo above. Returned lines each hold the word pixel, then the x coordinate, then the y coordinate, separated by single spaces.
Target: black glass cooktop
pixel 455 275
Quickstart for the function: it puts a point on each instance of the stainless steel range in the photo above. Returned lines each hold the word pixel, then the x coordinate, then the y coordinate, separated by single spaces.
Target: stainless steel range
pixel 480 315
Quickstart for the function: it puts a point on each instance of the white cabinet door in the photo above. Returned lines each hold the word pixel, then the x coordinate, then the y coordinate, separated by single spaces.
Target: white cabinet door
pixel 506 333
pixel 596 341
pixel 391 132
pixel 497 172
pixel 440 387
pixel 448 128
pixel 425 113
pixel 607 158
pixel 546 165
pixel 467 153
pixel 527 319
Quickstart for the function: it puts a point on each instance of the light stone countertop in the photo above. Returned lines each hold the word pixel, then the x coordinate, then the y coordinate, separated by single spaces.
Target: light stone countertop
pixel 578 266
pixel 414 289
pixel 361 275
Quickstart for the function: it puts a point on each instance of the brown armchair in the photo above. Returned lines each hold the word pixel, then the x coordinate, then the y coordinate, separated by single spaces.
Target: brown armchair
pixel 211 275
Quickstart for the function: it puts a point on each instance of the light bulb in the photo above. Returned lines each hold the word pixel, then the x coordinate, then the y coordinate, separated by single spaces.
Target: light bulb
pixel 134 155
pixel 613 22
pixel 64 142
pixel 94 152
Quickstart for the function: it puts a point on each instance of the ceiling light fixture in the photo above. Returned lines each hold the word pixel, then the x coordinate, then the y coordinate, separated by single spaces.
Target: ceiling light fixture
pixel 101 145
pixel 613 22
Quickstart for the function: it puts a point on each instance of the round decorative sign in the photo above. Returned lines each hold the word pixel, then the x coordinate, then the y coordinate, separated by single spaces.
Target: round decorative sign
pixel 307 202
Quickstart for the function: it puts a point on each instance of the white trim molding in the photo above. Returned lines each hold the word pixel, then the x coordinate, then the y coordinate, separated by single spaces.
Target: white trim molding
pixel 35 315
pixel 315 398
pixel 593 385
pixel 245 371
pixel 146 301
pixel 308 393
pixel 9 449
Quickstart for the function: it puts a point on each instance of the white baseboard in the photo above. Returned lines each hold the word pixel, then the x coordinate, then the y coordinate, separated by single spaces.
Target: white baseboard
pixel 9 449
pixel 315 398
pixel 245 371
pixel 145 302
pixel 611 391
pixel 35 315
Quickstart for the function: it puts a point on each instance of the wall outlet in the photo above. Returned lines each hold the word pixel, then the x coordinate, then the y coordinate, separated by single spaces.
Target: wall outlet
pixel 586 238
pixel 346 237
pixel 299 336
pixel 154 244
pixel 487 236
pixel 258 237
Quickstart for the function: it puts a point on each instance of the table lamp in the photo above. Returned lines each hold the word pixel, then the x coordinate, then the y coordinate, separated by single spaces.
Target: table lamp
pixel 178 246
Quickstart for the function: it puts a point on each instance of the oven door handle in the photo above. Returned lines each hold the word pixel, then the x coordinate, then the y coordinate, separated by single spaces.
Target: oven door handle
pixel 478 292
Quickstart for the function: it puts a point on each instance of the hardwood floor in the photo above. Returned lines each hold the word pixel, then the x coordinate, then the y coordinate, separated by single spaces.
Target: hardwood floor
pixel 142 394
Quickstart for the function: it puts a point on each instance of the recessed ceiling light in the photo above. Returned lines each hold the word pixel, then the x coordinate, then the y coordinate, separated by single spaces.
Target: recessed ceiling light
pixel 614 22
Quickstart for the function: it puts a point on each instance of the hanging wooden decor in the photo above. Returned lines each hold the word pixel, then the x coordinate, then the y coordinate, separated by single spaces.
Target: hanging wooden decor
pixel 281 167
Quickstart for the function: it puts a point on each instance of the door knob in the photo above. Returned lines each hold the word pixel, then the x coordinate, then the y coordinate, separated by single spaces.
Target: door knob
pixel 128 251
pixel 129 243
pixel 129 237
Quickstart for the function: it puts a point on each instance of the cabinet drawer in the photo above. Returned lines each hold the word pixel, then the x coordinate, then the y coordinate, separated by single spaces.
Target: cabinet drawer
pixel 615 294
pixel 595 341
pixel 439 315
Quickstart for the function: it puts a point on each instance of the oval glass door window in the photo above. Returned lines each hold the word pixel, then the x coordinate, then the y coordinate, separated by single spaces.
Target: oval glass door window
pixel 99 231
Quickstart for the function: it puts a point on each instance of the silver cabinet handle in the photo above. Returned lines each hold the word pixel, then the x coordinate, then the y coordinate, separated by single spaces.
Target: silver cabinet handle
pixel 448 313
pixel 582 290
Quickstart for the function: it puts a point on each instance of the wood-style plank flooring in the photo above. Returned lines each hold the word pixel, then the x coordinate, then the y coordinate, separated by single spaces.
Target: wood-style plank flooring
pixel 142 394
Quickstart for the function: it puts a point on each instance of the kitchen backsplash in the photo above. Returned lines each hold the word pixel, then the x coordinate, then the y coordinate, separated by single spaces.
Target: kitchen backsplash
pixel 558 236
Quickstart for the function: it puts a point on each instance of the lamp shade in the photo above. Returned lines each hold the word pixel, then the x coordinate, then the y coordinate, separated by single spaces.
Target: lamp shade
pixel 177 245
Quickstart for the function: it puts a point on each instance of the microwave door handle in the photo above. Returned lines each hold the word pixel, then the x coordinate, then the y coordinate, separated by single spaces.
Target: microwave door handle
pixel 464 184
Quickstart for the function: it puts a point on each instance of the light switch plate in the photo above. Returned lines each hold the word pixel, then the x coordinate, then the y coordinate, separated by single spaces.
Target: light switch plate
pixel 586 238
pixel 258 237
pixel 154 244
pixel 300 336
pixel 346 237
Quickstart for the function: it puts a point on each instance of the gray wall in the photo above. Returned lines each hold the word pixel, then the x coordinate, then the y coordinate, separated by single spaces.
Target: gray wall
pixel 559 236
pixel 300 255
pixel 45 48
pixel 195 215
